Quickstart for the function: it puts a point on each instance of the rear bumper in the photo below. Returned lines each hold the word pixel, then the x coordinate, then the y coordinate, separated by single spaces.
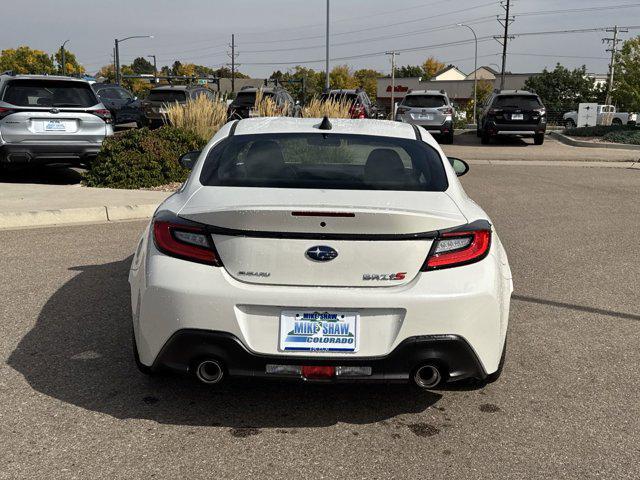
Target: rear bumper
pixel 434 128
pixel 451 353
pixel 43 153
pixel 528 129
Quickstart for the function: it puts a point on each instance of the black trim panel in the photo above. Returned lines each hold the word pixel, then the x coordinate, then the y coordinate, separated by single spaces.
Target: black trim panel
pixel 451 353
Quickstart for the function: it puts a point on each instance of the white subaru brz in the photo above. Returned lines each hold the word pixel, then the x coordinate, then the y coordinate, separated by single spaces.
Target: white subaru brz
pixel 322 250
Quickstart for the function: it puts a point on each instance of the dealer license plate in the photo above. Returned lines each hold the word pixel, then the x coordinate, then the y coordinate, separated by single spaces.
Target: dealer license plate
pixel 318 331
pixel 54 126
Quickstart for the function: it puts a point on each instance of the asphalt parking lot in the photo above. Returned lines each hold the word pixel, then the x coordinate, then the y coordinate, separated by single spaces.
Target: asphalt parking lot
pixel 74 405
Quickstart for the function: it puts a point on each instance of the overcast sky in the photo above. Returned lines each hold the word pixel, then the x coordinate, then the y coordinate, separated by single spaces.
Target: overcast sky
pixel 278 32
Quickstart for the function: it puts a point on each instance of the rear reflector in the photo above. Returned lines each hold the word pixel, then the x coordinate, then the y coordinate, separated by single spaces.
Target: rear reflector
pixel 458 248
pixel 186 242
pixel 318 372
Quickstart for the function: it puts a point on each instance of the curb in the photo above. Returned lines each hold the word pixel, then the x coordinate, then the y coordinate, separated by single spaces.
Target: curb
pixel 581 143
pixel 66 216
pixel 563 163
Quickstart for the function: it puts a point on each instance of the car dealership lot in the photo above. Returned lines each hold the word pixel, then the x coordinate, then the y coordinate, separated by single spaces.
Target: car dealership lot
pixel 74 405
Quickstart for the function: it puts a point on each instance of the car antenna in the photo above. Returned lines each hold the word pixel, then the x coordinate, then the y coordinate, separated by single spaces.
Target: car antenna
pixel 325 124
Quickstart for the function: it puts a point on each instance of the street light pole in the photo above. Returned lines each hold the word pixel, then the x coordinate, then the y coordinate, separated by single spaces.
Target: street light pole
pixel 64 58
pixel 155 68
pixel 326 81
pixel 475 72
pixel 117 52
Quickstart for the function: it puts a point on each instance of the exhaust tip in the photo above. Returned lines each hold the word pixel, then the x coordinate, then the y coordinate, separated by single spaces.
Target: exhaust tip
pixel 427 376
pixel 209 372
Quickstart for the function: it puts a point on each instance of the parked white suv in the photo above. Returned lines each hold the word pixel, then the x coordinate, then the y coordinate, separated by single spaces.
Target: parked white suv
pixel 430 109
pixel 48 119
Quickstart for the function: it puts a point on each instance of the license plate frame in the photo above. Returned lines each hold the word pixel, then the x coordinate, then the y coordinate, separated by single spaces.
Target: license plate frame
pixel 319 331
pixel 54 126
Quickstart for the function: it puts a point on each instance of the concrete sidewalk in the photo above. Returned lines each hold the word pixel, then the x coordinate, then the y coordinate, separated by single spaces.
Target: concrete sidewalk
pixel 27 204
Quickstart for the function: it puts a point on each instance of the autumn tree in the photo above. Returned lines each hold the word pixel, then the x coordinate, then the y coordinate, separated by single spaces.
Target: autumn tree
pixel 430 67
pixel 26 60
pixel 341 77
pixel 368 79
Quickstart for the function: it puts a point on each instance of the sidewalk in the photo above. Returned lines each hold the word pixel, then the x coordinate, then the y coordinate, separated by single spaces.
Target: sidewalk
pixel 28 204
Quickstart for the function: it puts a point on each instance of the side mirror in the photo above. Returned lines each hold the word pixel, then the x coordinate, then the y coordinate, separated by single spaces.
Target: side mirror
pixel 459 166
pixel 189 159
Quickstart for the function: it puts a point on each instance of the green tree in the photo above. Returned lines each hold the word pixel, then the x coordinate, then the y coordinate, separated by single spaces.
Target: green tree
pixel 341 77
pixel 142 66
pixel 562 89
pixel 409 71
pixel 627 78
pixel 26 60
pixel 368 79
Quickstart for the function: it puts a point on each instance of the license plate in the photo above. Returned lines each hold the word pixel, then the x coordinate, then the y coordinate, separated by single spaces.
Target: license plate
pixel 55 126
pixel 517 116
pixel 425 116
pixel 317 331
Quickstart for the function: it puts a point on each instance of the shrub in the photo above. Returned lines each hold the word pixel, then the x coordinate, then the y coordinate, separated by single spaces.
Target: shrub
pixel 597 131
pixel 266 106
pixel 628 136
pixel 202 116
pixel 142 158
pixel 333 108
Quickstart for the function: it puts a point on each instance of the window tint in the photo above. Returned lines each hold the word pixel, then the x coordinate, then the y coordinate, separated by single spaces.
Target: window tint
pixel 123 94
pixel 329 161
pixel 424 101
pixel 167 96
pixel 49 93
pixel 517 101
pixel 108 94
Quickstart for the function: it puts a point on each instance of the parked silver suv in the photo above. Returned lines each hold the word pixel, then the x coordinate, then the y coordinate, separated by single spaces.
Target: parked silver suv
pixel 48 119
pixel 430 109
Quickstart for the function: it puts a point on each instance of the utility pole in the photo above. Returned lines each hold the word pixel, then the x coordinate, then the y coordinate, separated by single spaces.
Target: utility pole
pixel 155 68
pixel 393 54
pixel 505 22
pixel 233 56
pixel 327 85
pixel 116 58
pixel 613 42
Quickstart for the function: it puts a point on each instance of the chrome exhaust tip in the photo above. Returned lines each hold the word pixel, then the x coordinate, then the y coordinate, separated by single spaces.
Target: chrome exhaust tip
pixel 427 376
pixel 209 372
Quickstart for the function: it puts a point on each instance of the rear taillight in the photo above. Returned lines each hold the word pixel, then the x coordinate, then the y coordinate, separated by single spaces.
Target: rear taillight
pixel 457 248
pixel 495 111
pixel 103 114
pixel 540 111
pixel 402 110
pixel 5 111
pixel 446 110
pixel 185 241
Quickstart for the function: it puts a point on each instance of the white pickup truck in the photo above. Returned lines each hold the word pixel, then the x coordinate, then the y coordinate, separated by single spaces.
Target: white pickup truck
pixel 607 115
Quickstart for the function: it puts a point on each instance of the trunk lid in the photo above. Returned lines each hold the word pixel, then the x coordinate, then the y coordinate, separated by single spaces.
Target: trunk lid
pixel 35 125
pixel 282 236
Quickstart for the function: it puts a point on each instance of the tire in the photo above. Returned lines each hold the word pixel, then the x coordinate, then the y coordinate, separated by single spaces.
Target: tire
pixel 144 369
pixel 485 139
pixel 570 123
pixel 447 139
pixel 538 139
pixel 617 122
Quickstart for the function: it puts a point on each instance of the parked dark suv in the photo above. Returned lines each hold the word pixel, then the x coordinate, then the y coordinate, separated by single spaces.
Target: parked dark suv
pixel 361 105
pixel 123 105
pixel 513 113
pixel 154 106
pixel 242 105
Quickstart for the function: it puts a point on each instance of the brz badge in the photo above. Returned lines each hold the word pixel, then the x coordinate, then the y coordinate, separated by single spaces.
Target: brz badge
pixel 255 274
pixel 384 277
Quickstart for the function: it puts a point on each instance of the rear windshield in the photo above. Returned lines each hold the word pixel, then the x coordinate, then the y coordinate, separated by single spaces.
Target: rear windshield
pixel 340 97
pixel 517 101
pixel 424 101
pixel 167 96
pixel 329 161
pixel 49 93
pixel 248 99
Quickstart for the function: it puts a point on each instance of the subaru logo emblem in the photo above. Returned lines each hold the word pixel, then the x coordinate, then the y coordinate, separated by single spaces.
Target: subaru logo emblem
pixel 54 110
pixel 321 253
